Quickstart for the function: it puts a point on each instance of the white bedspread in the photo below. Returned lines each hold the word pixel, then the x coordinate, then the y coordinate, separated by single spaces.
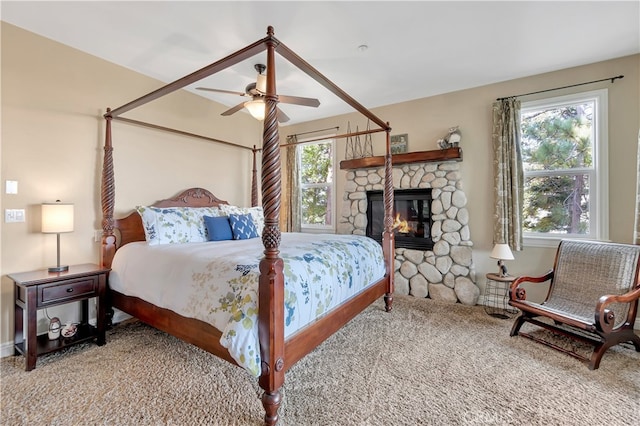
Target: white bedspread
pixel 217 282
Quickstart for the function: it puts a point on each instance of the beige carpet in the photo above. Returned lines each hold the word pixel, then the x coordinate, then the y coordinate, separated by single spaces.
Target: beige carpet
pixel 425 363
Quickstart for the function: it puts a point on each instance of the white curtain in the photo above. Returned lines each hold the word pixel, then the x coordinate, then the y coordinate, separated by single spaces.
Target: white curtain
pixel 508 174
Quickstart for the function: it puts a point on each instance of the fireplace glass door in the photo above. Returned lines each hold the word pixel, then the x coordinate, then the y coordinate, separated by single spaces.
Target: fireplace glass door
pixel 411 217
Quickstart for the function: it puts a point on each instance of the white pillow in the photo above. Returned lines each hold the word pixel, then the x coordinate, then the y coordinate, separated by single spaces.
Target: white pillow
pixel 257 214
pixel 174 225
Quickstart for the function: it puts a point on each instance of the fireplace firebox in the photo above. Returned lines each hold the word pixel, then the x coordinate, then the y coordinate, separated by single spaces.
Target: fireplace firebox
pixel 411 217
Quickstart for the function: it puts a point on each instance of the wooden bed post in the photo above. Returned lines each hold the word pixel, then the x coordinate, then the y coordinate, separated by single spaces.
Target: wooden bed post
pixel 388 240
pixel 271 284
pixel 254 179
pixel 108 198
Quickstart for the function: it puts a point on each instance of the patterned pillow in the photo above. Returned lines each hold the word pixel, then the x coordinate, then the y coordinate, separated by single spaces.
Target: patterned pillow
pixel 218 228
pixel 257 214
pixel 173 225
pixel 242 226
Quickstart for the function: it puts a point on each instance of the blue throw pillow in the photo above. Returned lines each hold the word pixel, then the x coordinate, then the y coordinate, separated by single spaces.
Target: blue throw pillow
pixel 242 226
pixel 218 228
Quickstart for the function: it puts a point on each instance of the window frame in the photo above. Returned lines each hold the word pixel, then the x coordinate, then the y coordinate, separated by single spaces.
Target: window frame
pixel 598 174
pixel 312 228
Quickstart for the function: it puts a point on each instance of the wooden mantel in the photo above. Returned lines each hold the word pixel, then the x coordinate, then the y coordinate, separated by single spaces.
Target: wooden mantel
pixel 437 155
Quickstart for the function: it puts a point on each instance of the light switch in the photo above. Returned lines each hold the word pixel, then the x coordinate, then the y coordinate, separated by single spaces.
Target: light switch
pixel 14 215
pixel 12 187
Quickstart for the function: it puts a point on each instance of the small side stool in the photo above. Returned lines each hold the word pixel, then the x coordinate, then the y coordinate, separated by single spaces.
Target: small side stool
pixel 496 296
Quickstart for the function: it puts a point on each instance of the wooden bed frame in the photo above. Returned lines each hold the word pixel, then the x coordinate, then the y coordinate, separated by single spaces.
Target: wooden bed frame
pixel 277 354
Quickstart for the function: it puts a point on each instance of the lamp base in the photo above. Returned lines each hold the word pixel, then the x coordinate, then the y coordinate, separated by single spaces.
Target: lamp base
pixel 59 268
pixel 502 268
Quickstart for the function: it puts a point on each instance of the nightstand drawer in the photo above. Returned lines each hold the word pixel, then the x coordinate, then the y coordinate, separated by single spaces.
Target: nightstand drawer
pixel 67 290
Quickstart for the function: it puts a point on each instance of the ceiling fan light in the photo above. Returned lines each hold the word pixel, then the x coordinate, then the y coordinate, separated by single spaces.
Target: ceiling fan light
pixel 256 108
pixel 261 83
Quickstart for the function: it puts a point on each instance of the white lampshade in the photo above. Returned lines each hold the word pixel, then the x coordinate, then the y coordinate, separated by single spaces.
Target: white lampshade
pixel 256 108
pixel 57 217
pixel 502 252
pixel 261 83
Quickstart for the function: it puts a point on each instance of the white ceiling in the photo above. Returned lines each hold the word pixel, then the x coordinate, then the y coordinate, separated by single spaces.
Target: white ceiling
pixel 416 49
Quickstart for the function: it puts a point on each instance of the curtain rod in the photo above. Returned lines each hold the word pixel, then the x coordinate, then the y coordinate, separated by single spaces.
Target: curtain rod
pixel 314 131
pixel 563 87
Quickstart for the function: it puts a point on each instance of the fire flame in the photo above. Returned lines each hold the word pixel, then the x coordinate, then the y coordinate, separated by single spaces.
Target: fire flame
pixel 402 225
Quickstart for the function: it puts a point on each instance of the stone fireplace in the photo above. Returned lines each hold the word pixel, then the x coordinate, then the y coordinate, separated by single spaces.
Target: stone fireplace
pixel 443 272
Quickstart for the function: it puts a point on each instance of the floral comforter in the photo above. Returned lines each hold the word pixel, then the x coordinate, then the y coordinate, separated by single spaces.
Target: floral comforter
pixel 217 282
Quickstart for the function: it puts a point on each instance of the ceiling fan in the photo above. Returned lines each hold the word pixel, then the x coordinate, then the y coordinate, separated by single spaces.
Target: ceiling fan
pixel 257 91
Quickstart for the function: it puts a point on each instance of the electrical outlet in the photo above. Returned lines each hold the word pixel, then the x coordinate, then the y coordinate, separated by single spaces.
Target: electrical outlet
pixel 97 235
pixel 14 215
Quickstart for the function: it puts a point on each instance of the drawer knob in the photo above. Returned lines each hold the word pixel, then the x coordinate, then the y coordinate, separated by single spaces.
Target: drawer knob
pixel 70 290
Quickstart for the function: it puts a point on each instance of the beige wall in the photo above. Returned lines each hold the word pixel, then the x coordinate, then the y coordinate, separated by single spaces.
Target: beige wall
pixel 426 120
pixel 53 98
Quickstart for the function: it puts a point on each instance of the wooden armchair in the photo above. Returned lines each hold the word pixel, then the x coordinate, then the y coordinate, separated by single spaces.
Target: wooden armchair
pixel 593 297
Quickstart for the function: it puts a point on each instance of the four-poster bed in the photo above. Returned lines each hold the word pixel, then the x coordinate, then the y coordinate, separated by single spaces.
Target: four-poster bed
pixel 277 352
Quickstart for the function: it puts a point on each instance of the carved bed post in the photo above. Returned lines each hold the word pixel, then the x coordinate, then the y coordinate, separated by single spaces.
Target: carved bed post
pixel 254 179
pixel 388 240
pixel 271 284
pixel 108 198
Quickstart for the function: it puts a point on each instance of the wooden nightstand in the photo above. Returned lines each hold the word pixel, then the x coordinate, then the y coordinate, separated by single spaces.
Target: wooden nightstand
pixel 40 289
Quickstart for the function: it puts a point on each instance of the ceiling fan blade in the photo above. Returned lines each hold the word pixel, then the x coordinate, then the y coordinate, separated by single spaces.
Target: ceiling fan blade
pixel 282 117
pixel 310 102
pixel 234 109
pixel 222 91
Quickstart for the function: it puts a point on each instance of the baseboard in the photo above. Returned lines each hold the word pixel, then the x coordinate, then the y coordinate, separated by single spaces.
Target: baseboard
pixel 119 316
pixel 6 349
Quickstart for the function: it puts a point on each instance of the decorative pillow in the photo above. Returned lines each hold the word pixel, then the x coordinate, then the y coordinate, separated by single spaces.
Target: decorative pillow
pixel 218 228
pixel 242 226
pixel 257 214
pixel 172 225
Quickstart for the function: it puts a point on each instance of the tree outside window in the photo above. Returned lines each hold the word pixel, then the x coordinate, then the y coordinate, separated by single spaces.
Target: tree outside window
pixel 563 156
pixel 316 184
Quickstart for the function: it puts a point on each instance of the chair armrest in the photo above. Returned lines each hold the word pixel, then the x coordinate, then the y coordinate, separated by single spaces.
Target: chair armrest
pixel 605 318
pixel 518 293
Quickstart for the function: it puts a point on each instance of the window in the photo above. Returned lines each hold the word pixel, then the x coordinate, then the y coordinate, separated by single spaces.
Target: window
pixel 564 155
pixel 317 187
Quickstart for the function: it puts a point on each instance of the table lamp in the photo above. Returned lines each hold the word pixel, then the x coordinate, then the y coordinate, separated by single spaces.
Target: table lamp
pixel 57 218
pixel 501 252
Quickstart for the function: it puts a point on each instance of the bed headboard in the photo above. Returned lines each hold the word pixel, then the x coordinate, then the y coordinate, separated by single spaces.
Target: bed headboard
pixel 129 228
